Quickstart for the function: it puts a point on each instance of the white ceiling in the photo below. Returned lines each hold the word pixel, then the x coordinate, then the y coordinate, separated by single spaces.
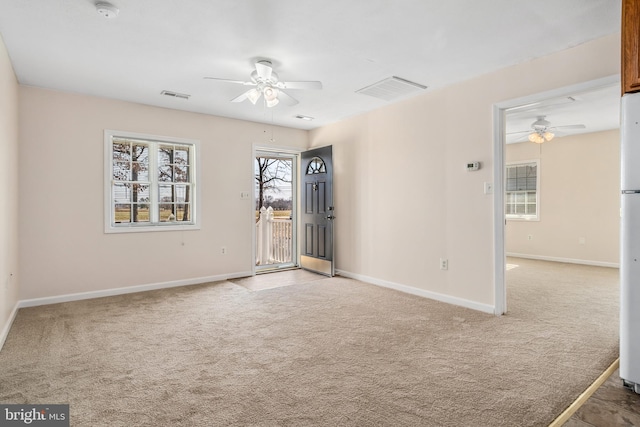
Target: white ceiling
pixel 155 45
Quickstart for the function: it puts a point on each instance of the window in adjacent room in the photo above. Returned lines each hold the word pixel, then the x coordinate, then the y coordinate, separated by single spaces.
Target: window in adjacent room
pixel 522 197
pixel 150 182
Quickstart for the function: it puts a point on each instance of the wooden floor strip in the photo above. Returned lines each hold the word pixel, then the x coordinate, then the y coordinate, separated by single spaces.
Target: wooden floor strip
pixel 568 413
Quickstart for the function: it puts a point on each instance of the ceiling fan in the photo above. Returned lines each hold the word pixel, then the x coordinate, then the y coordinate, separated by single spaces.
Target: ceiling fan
pixel 267 84
pixel 542 131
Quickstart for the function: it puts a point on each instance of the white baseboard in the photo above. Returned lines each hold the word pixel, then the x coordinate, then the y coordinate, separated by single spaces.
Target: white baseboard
pixel 486 308
pixel 7 326
pixel 129 290
pixel 567 260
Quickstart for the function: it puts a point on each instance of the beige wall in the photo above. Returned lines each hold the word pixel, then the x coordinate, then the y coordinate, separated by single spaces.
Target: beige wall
pixel 403 197
pixel 9 190
pixel 579 200
pixel 63 247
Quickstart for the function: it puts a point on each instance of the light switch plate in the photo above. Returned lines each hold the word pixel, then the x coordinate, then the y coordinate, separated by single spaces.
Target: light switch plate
pixel 488 188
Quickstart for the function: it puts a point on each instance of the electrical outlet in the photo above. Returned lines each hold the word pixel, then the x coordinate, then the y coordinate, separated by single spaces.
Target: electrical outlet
pixel 530 237
pixel 223 250
pixel 582 241
pixel 444 264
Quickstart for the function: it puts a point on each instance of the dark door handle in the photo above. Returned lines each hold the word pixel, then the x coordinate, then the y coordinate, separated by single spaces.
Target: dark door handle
pixel 329 217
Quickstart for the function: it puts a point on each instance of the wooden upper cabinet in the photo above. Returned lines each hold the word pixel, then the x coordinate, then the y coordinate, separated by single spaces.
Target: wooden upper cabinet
pixel 630 46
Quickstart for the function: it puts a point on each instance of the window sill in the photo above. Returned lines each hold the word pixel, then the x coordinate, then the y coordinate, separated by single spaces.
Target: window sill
pixel 136 228
pixel 525 219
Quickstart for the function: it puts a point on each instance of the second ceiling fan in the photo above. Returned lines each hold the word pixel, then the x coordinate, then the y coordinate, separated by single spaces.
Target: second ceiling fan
pixel 267 84
pixel 542 131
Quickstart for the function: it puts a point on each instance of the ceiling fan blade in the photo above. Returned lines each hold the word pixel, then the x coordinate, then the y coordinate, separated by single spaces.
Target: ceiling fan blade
pixel 299 85
pixel 264 71
pixel 286 98
pixel 564 127
pixel 522 138
pixel 242 97
pixel 519 131
pixel 231 81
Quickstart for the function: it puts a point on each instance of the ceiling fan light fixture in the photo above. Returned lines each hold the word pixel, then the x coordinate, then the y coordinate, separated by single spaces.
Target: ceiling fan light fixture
pixel 536 137
pixel 253 95
pixel 270 93
pixel 539 136
pixel 272 102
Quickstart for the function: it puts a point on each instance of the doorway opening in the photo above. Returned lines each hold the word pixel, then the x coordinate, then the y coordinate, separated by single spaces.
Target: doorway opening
pixel 275 211
pixel 524 227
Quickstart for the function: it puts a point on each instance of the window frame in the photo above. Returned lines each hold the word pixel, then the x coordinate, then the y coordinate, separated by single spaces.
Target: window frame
pixel 154 141
pixel 522 217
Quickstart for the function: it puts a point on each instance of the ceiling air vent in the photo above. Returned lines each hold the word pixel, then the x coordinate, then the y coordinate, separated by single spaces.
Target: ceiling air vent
pixel 392 88
pixel 175 94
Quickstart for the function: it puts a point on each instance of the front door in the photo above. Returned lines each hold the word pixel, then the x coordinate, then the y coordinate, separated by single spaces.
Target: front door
pixel 317 211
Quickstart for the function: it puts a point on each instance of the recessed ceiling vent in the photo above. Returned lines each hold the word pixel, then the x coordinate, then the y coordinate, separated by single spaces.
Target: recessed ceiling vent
pixel 175 94
pixel 392 88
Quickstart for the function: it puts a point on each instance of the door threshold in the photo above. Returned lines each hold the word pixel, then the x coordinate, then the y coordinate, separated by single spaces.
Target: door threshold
pixel 277 269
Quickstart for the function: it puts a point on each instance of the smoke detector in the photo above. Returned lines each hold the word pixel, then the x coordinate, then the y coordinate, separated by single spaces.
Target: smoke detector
pixel 107 10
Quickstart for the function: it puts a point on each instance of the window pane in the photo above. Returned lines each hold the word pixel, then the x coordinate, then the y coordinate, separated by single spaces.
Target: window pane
pixel 165 212
pixel 140 193
pixel 121 193
pixel 531 183
pixel 165 173
pixel 183 212
pixel 122 212
pixel 139 171
pixel 520 198
pixel 166 193
pixel 181 156
pixel 140 153
pixel 140 212
pixel 181 193
pixel 531 209
pixel 521 171
pixel 520 209
pixel 165 155
pixel 181 173
pixel 121 151
pixel 512 184
pixel 121 171
pixel 316 165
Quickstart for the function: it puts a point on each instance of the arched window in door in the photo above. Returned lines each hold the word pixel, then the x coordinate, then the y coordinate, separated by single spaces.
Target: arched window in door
pixel 316 166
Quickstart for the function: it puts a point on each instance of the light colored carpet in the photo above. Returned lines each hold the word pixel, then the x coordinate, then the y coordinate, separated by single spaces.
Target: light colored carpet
pixel 331 351
pixel 265 281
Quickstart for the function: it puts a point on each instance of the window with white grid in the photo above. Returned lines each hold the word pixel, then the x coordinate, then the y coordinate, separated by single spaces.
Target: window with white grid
pixel 150 182
pixel 522 196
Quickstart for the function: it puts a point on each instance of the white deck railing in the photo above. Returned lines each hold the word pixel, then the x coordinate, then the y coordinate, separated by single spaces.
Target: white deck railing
pixel 273 238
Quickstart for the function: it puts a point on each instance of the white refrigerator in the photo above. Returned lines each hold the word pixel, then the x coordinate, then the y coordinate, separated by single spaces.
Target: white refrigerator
pixel 630 243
